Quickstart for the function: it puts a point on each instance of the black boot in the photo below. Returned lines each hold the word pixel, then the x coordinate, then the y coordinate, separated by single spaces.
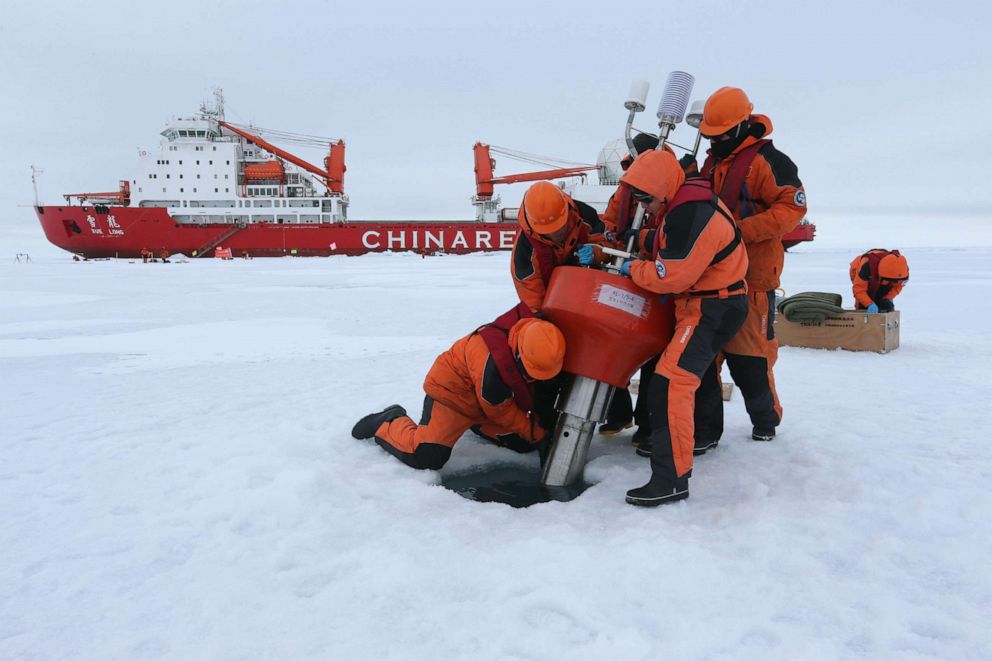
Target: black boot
pixel 762 434
pixel 644 446
pixel 702 446
pixel 614 428
pixel 659 491
pixel 365 428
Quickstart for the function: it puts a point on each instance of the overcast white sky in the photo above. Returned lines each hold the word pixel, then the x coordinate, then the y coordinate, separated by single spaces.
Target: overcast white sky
pixel 881 104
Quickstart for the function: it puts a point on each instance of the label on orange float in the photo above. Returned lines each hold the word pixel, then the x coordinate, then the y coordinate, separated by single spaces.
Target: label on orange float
pixel 621 300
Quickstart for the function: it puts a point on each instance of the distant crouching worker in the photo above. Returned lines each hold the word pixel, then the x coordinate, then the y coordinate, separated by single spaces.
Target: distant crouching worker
pixel 486 380
pixel 878 276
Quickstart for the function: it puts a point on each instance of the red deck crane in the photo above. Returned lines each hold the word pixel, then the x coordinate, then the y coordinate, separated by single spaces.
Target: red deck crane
pixel 334 167
pixel 121 197
pixel 484 180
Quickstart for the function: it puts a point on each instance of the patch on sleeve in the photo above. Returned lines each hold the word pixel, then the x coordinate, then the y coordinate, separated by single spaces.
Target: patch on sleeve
pixel 660 267
pixel 800 198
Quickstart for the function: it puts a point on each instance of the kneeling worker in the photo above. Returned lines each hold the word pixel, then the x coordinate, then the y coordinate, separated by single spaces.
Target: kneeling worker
pixel 696 254
pixel 878 276
pixel 487 378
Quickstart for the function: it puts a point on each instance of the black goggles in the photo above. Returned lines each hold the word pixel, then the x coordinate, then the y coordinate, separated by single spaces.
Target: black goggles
pixel 640 195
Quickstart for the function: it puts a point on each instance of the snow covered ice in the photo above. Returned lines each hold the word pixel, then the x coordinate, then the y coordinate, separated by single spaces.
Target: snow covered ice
pixel 177 477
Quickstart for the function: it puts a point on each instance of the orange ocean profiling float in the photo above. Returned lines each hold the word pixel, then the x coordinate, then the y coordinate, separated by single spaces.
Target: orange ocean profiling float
pixel 611 326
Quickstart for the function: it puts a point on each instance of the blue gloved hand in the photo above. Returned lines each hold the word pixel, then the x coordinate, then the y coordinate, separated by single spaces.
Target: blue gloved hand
pixel 625 269
pixel 586 255
pixel 873 308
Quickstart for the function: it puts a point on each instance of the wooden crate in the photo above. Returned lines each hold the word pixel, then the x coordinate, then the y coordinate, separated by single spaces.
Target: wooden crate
pixel 853 330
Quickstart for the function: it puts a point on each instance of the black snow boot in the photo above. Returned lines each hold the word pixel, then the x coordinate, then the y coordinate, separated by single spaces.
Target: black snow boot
pixel 644 446
pixel 365 428
pixel 702 446
pixel 659 491
pixel 614 428
pixel 762 434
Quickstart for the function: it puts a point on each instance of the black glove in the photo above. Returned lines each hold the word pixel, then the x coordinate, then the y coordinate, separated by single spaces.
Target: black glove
pixel 885 305
pixel 688 163
pixel 637 239
pixel 636 248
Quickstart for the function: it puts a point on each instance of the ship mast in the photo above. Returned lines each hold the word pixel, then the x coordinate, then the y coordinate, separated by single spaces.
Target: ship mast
pixel 34 182
pixel 217 111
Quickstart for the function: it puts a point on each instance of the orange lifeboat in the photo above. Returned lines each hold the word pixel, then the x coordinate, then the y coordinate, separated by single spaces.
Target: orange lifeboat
pixel 268 171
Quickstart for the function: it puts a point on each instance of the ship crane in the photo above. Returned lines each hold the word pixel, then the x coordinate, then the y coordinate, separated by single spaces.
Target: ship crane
pixel 120 197
pixel 484 201
pixel 334 167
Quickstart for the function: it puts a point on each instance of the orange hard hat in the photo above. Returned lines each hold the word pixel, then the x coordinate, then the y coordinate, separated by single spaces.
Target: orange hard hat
pixel 657 173
pixel 893 267
pixel 726 108
pixel 541 347
pixel 545 208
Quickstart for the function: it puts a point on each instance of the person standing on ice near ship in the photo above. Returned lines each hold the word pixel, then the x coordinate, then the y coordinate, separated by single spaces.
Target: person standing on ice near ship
pixel 485 379
pixel 877 277
pixel 695 255
pixel 553 226
pixel 761 186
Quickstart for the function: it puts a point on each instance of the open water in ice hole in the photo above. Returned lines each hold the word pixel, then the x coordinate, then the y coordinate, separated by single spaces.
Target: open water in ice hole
pixel 513 485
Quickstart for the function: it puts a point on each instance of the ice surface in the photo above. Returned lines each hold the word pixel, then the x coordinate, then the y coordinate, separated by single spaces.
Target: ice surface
pixel 177 478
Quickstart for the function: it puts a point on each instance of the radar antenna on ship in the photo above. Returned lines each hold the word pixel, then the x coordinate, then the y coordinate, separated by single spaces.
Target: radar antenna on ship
pixel 217 110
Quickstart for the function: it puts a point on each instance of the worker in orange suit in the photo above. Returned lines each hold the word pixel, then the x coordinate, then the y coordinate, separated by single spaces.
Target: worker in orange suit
pixel 761 187
pixel 697 256
pixel 485 380
pixel 553 226
pixel 617 218
pixel 878 276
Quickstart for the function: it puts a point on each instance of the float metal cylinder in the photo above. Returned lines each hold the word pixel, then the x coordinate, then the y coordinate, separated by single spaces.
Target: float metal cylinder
pixel 584 405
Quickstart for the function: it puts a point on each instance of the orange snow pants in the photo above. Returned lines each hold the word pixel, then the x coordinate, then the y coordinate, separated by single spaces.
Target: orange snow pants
pixel 702 327
pixel 428 444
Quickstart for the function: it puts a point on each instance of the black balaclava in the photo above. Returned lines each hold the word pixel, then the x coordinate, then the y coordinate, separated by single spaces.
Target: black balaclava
pixel 725 148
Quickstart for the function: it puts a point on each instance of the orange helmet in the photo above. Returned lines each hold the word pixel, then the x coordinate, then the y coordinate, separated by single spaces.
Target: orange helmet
pixel 893 267
pixel 545 208
pixel 541 347
pixel 726 108
pixel 657 173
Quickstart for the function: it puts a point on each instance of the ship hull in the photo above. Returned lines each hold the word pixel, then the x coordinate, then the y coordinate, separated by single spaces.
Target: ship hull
pixel 96 232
